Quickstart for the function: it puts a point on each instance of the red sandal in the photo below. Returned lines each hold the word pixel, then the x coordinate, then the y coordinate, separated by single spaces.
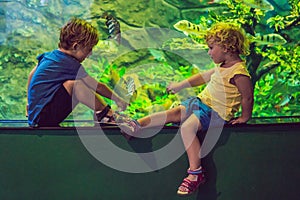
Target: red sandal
pixel 187 186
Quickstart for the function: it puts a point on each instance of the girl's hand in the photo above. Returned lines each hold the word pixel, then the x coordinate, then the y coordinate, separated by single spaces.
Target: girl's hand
pixel 239 120
pixel 173 88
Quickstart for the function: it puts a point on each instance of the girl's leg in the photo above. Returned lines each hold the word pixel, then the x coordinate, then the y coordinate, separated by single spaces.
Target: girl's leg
pixel 133 127
pixel 192 145
pixel 189 130
pixel 173 115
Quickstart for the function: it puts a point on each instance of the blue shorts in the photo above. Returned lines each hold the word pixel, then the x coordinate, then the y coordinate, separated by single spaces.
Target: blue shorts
pixel 206 115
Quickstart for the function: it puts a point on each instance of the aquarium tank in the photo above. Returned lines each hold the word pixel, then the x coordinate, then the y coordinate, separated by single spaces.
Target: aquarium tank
pixel 151 51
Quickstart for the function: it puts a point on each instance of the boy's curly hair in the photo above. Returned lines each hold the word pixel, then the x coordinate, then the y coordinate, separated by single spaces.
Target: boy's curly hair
pixel 230 36
pixel 78 31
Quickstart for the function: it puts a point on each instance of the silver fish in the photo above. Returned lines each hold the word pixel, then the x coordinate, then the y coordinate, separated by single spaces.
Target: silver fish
pixel 130 86
pixel 113 26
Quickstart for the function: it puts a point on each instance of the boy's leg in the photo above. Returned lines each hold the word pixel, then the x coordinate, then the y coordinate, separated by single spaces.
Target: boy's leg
pixel 57 109
pixel 85 95
pixel 102 111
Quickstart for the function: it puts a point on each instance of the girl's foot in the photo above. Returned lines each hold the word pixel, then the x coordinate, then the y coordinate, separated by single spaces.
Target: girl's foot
pixel 191 183
pixel 130 128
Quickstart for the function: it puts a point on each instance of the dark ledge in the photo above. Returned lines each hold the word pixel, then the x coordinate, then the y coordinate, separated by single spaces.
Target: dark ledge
pixel 275 123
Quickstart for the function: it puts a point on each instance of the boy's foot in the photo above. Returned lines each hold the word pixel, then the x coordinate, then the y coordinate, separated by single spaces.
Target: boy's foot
pixel 188 186
pixel 102 117
pixel 130 128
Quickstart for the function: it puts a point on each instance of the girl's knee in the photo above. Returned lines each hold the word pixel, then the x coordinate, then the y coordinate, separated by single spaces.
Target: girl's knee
pixel 192 124
pixel 186 127
pixel 177 112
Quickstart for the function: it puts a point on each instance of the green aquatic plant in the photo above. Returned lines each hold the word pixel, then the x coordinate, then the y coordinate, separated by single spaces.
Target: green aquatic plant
pixel 150 85
pixel 281 84
pixel 289 21
pixel 272 65
pixel 13 80
pixel 274 68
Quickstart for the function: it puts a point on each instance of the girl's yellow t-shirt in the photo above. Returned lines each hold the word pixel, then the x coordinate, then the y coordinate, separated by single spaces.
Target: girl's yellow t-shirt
pixel 221 95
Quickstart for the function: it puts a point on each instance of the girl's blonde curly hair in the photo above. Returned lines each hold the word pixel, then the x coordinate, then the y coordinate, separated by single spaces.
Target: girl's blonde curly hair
pixel 229 36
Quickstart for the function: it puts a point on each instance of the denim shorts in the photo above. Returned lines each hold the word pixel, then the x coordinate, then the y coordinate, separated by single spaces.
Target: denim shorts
pixel 206 115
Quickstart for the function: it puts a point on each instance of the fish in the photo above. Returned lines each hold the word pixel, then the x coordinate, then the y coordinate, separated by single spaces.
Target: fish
pixel 130 86
pixel 268 39
pixel 281 6
pixel 207 1
pixel 287 88
pixel 284 102
pixel 157 54
pixel 258 4
pixel 188 28
pixel 113 26
pixel 44 2
pixel 270 65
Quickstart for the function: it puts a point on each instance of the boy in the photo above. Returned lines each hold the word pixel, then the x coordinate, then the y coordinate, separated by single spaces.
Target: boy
pixel 59 81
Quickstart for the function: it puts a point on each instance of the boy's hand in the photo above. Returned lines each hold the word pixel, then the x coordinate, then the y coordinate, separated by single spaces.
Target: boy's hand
pixel 121 104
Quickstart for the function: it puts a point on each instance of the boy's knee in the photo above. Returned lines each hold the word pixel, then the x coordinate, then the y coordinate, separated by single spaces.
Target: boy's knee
pixel 69 84
pixel 76 84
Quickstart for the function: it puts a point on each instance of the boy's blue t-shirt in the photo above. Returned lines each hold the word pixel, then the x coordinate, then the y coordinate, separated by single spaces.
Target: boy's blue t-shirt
pixel 54 68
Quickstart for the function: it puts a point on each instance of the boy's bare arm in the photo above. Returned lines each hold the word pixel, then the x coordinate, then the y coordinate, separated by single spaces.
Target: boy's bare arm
pixel 244 86
pixel 104 91
pixel 98 87
pixel 30 76
pixel 28 82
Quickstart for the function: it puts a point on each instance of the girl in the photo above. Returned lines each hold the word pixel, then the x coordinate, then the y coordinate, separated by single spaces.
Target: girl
pixel 228 87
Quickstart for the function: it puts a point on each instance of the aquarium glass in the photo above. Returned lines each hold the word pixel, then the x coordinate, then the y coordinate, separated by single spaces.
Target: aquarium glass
pixel 151 53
